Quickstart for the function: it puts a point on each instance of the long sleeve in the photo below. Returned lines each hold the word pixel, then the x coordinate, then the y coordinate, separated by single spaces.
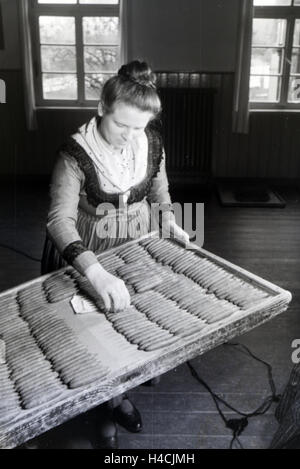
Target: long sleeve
pixel 67 180
pixel 159 192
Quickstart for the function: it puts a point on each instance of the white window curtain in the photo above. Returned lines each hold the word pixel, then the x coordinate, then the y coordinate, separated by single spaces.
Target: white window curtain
pixel 27 64
pixel 124 31
pixel 242 74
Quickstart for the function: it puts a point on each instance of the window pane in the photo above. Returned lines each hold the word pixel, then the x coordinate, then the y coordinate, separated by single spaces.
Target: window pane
pixel 94 83
pixel 272 2
pixel 58 58
pixel 294 90
pixel 57 1
pixel 297 3
pixel 268 32
pixel 102 2
pixel 101 30
pixel 101 59
pixel 57 29
pixel 59 86
pixel 266 61
pixel 297 33
pixel 264 89
pixel 295 67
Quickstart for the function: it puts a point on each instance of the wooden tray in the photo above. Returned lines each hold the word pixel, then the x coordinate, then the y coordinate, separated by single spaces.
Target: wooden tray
pixel 58 364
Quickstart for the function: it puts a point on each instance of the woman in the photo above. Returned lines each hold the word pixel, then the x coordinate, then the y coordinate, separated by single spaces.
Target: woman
pixel 117 158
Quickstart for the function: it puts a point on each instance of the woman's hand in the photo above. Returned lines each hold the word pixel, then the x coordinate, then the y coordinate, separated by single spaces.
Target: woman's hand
pixel 171 229
pixel 112 289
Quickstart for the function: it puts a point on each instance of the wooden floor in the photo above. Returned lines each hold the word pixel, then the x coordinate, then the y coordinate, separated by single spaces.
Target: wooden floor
pixel 178 412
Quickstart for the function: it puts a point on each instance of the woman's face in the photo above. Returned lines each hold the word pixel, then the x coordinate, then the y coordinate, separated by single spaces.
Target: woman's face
pixel 123 124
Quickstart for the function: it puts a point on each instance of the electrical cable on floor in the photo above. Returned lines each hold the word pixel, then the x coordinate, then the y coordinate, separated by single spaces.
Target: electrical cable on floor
pixel 238 425
pixel 5 246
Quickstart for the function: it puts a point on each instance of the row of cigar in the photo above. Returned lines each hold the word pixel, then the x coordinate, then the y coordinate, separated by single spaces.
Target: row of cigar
pixel 143 275
pixel 138 330
pixel 30 371
pixel 211 277
pixel 168 315
pixel 69 359
pixel 174 284
pixel 59 287
pixel 196 301
pixel 144 271
pixel 131 264
pixel 10 403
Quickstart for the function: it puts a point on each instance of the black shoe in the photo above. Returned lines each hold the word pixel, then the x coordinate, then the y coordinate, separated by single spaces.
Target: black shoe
pixel 104 430
pixel 106 442
pixel 130 420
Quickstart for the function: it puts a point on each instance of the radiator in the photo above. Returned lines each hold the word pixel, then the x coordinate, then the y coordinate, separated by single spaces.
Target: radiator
pixel 187 123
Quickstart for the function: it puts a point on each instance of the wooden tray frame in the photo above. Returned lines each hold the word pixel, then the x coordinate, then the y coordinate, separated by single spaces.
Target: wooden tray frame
pixel 41 419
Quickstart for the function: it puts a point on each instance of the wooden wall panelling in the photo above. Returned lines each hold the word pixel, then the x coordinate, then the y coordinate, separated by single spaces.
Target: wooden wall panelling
pixel 1 30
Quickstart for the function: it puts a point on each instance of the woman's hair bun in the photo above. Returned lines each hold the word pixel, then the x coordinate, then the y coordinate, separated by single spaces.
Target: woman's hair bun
pixel 135 85
pixel 139 73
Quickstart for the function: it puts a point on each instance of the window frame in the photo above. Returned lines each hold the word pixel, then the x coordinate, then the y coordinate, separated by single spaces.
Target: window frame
pixel 290 13
pixel 77 11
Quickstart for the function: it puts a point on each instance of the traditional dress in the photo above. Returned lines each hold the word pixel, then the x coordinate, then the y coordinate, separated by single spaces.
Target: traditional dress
pixel 100 196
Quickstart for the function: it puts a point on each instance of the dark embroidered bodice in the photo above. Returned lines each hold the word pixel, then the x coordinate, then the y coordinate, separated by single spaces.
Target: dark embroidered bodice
pixel 95 194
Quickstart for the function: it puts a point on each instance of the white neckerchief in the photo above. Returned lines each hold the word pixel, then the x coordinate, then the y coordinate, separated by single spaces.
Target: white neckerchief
pixel 117 172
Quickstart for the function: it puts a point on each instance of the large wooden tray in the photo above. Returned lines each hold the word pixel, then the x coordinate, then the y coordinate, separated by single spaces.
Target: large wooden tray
pixel 59 364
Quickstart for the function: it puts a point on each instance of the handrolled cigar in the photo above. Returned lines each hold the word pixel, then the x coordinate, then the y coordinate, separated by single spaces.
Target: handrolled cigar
pixel 24 353
pixel 14 334
pixel 26 343
pixel 31 378
pixel 175 260
pixel 43 397
pixel 210 312
pixel 39 361
pixel 218 317
pixel 53 347
pixel 136 253
pixel 129 322
pixel 8 300
pixel 211 279
pixel 142 287
pixel 155 250
pixel 206 309
pixel 79 382
pixel 164 337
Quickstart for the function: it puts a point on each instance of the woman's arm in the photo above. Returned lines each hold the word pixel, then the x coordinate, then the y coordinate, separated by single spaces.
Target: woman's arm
pixel 159 193
pixel 67 181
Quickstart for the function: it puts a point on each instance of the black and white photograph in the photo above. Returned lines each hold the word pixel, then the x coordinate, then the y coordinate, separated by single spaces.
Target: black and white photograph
pixel 149 227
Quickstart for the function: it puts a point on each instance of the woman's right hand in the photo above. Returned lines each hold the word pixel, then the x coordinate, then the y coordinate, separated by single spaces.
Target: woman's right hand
pixel 112 289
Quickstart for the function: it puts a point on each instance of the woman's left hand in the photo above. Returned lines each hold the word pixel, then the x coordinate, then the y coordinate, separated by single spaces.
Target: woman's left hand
pixel 171 229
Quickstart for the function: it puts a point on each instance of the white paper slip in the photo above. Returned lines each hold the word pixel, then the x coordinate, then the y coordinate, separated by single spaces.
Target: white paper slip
pixel 82 306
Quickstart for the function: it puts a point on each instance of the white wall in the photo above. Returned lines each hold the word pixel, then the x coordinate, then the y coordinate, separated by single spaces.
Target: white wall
pixel 184 34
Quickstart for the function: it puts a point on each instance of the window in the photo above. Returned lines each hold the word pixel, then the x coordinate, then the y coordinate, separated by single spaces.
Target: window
pixel 275 61
pixel 77 47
